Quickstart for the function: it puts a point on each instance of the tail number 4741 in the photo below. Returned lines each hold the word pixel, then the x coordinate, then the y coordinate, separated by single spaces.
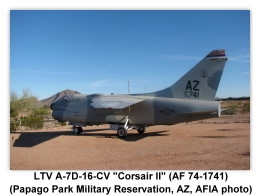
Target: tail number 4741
pixel 192 89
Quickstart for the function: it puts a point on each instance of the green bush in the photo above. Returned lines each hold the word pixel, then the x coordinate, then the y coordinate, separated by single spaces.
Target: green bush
pixel 13 125
pixel 25 111
pixel 62 123
pixel 33 121
pixel 41 111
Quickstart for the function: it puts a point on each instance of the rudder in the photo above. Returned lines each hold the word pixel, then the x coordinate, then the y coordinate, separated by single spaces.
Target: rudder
pixel 201 82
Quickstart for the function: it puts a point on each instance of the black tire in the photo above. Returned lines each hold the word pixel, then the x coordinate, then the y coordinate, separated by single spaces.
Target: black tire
pixel 77 130
pixel 141 130
pixel 121 132
pixel 80 130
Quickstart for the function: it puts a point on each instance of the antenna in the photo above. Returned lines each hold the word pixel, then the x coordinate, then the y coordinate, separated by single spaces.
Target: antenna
pixel 128 87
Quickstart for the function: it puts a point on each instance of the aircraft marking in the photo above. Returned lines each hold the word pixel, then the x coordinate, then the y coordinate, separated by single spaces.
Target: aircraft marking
pixel 192 89
pixel 189 85
pixel 167 110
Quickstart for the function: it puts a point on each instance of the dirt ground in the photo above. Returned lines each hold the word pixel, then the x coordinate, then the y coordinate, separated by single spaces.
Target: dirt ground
pixel 214 144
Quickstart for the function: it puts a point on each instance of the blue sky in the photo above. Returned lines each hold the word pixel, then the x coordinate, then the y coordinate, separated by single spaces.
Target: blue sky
pixel 100 51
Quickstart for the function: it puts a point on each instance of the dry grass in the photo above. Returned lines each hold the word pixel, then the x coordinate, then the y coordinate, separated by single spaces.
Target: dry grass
pixel 236 107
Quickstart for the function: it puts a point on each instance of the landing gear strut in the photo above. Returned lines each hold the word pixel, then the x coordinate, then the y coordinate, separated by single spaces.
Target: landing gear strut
pixel 122 130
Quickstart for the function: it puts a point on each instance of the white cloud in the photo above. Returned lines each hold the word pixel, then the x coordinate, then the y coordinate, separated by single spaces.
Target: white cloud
pixel 97 83
pixel 240 58
pixel 245 73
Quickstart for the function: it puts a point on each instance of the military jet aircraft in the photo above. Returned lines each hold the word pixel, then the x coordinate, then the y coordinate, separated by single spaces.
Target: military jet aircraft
pixel 191 98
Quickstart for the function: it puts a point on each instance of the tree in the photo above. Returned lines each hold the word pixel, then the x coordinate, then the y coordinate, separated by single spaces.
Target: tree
pixel 20 107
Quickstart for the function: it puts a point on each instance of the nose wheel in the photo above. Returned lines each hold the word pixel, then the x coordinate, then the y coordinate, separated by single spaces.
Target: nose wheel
pixel 77 130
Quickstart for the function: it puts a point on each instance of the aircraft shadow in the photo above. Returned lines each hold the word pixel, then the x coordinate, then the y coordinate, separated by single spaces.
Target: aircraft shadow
pixel 130 137
pixel 30 139
pixel 137 136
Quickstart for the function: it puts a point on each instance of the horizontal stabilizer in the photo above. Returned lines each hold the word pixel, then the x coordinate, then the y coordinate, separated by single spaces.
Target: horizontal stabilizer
pixel 113 102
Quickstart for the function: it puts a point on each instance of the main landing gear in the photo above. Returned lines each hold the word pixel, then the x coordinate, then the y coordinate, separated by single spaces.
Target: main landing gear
pixel 122 130
pixel 77 130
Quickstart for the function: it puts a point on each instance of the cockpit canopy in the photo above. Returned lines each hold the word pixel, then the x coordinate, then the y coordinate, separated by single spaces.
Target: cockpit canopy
pixel 65 99
pixel 61 103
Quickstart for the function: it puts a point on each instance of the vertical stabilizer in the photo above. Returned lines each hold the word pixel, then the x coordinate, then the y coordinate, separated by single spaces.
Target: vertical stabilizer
pixel 201 82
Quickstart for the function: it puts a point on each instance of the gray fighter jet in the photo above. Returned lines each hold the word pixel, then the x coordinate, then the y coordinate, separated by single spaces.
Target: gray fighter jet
pixel 191 98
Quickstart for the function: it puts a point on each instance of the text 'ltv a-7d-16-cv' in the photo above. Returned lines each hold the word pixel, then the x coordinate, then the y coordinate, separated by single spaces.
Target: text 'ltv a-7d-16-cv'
pixel 190 98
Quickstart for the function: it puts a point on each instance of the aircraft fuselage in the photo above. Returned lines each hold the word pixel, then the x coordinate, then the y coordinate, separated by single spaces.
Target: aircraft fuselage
pixel 151 111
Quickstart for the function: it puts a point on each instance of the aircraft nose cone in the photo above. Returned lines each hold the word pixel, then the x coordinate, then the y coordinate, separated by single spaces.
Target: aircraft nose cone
pixel 51 106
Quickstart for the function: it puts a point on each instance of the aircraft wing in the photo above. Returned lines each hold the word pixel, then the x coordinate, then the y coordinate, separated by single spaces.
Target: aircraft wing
pixel 113 102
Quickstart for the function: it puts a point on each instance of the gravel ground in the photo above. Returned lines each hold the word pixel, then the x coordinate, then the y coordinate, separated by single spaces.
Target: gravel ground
pixel 215 144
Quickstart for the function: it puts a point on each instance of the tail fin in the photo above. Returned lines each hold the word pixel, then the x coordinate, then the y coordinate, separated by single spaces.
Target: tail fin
pixel 201 82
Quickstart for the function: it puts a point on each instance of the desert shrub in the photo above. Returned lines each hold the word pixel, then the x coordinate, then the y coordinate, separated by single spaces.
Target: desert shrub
pixel 236 107
pixel 246 107
pixel 228 111
pixel 14 125
pixel 33 121
pixel 62 123
pixel 25 111
pixel 41 111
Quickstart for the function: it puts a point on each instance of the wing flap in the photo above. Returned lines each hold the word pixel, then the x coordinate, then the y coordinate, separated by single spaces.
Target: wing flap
pixel 113 102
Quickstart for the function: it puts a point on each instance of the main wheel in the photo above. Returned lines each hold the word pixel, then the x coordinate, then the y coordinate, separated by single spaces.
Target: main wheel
pixel 141 130
pixel 77 130
pixel 121 132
